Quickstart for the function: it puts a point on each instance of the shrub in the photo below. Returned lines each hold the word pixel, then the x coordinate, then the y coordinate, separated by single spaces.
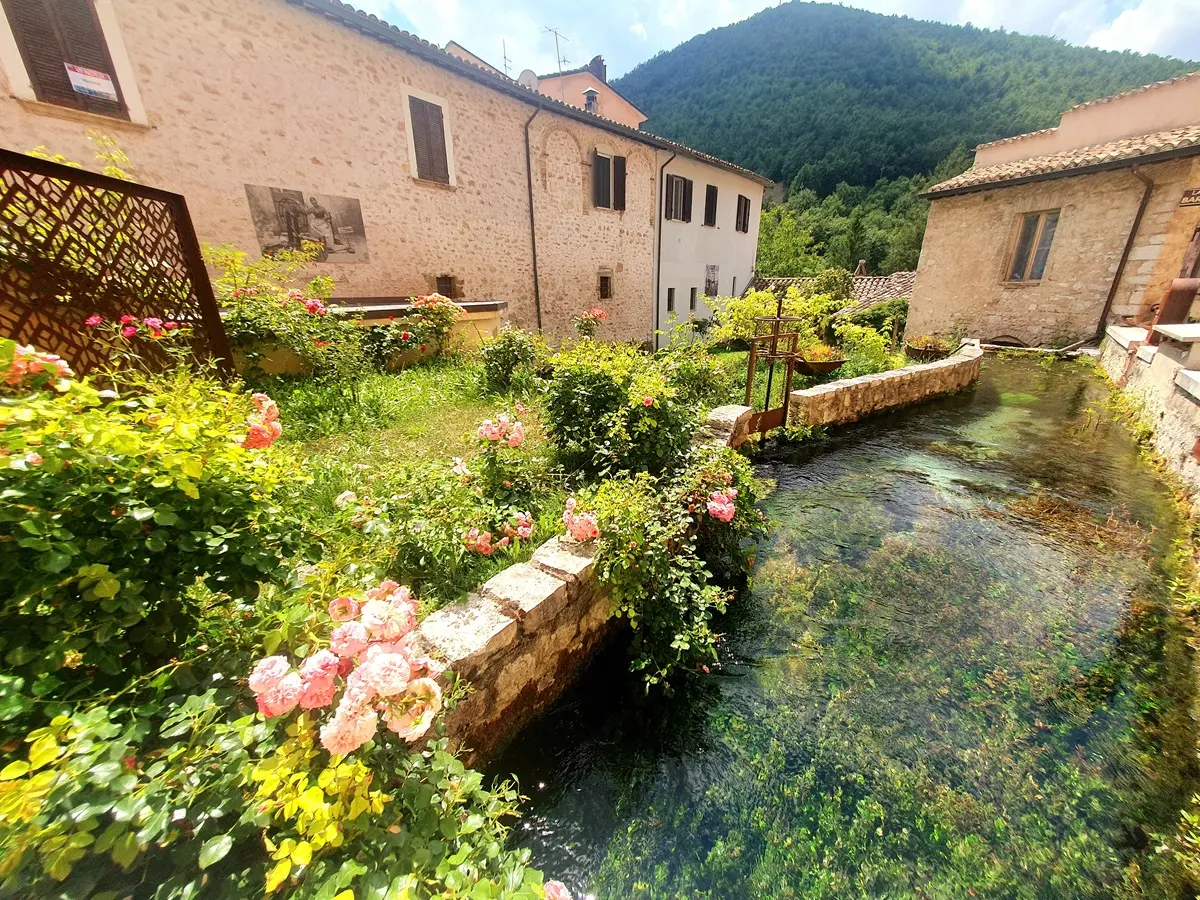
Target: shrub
pixel 929 342
pixel 888 317
pixel 612 409
pixel 120 502
pixel 507 356
pixel 867 351
pixel 437 315
pixel 661 544
pixel 734 317
pixel 699 377
pixel 384 343
pixel 587 322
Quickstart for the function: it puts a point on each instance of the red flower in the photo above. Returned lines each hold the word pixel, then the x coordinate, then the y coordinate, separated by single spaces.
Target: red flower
pixel 126 319
pixel 406 335
pixel 170 326
pixel 129 331
pixel 422 348
pixel 93 321
pixel 649 401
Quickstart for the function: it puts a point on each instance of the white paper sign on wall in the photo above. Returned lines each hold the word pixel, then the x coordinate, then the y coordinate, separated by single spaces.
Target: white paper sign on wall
pixel 91 82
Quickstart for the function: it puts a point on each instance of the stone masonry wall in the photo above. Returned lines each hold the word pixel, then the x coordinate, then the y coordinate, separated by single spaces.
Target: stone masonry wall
pixel 851 399
pixel 961 281
pixel 264 92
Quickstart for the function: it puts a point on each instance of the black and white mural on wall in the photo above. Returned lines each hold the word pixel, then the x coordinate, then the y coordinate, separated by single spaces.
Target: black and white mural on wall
pixel 285 219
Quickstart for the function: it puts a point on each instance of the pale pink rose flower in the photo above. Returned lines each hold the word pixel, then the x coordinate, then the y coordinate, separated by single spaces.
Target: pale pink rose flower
pixel 318 692
pixel 347 731
pixel 556 890
pixel 348 639
pixel 430 667
pixel 388 673
pixel 720 505
pixel 411 718
pixel 360 693
pixel 282 697
pixel 387 621
pixel 517 436
pixel 268 672
pixel 460 467
pixel 34 458
pixel 520 408
pixel 322 664
pixel 343 609
pixel 383 590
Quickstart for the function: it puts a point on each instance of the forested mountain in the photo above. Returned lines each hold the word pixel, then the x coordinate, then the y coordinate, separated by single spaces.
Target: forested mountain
pixel 833 94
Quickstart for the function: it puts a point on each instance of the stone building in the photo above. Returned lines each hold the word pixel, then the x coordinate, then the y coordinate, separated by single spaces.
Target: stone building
pixel 415 169
pixel 587 88
pixel 1052 235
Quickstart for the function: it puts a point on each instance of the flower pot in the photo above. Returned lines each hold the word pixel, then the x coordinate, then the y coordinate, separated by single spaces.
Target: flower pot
pixel 926 354
pixel 818 367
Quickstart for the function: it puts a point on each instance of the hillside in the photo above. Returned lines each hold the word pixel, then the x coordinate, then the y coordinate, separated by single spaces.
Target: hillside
pixel 836 94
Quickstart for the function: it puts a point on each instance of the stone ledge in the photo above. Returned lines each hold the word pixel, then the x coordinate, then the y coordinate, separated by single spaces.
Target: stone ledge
pixel 725 426
pixel 568 560
pixel 851 399
pixel 528 594
pixel 1188 381
pixel 466 634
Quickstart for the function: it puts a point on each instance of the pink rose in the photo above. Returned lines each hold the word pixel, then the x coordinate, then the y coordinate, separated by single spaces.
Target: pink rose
pixel 282 698
pixel 268 672
pixel 414 714
pixel 170 326
pixel 127 319
pixel 343 609
pixel 649 401
pixel 33 458
pixel 516 437
pixel 348 639
pixel 128 331
pixel 388 674
pixel 460 467
pixel 93 321
pixel 317 693
pixel 556 890
pixel 386 620
pixel 347 731
pixel 322 664
pixel 152 322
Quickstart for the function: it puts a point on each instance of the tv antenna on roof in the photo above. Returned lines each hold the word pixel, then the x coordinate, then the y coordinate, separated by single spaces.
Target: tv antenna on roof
pixel 504 51
pixel 558 53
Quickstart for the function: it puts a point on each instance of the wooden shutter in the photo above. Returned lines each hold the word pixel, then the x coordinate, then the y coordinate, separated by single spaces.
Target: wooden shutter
pixel 601 180
pixel 669 198
pixel 687 199
pixel 429 140
pixel 52 33
pixel 710 205
pixel 618 182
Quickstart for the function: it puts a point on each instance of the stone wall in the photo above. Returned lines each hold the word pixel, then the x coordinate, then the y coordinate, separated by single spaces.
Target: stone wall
pixel 851 399
pixel 961 281
pixel 1166 398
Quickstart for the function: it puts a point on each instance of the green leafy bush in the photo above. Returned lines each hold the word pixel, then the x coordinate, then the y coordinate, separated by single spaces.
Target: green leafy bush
pixel 734 317
pixel 508 356
pixel 697 375
pixel 118 502
pixel 663 545
pixel 385 344
pixel 611 408
pixel 867 351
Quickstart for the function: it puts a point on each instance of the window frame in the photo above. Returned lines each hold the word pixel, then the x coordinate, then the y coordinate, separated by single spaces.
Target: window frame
pixel 591 101
pixel 606 281
pixel 617 176
pixel 455 291
pixel 677 194
pixel 742 224
pixel 670 299
pixel 14 63
pixel 692 299
pixel 1014 248
pixel 447 135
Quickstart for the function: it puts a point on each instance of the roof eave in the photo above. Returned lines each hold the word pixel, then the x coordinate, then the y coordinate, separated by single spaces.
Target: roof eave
pixel 380 30
pixel 1107 166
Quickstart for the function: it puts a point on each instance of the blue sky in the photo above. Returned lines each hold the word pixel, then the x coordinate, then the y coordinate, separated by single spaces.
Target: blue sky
pixel 627 32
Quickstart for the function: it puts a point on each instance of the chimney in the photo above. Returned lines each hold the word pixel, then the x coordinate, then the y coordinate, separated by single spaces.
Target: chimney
pixel 598 68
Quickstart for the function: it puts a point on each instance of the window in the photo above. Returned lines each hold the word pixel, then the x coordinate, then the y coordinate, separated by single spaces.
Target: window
pixel 605 287
pixel 710 206
pixel 429 140
pixel 591 101
pixel 670 299
pixel 608 181
pixel 448 286
pixel 712 280
pixel 65 54
pixel 743 214
pixel 733 287
pixel 678 200
pixel 1033 246
pixel 692 299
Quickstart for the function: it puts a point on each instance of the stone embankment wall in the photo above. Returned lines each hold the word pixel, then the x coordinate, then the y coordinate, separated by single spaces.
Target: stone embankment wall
pixel 1166 397
pixel 851 399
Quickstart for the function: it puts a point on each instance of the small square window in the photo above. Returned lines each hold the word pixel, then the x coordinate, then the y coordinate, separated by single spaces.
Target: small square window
pixel 605 287
pixel 670 299
pixel 447 286
pixel 1033 246
pixel 692 299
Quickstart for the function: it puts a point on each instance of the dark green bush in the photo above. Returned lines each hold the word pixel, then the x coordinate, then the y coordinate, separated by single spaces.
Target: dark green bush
pixel 506 357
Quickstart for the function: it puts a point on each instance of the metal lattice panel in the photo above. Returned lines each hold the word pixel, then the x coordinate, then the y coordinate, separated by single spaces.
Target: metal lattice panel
pixel 74 244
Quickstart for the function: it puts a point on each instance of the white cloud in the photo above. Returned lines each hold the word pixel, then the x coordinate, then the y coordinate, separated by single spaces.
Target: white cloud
pixel 638 29
pixel 1160 26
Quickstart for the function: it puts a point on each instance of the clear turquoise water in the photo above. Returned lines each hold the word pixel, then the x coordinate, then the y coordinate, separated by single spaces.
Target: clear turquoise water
pixel 955 674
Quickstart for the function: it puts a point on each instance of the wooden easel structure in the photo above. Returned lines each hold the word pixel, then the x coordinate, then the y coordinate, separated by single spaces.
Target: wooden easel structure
pixel 770 343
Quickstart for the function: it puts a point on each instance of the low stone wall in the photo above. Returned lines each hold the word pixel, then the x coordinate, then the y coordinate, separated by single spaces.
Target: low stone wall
pixel 851 399
pixel 1167 399
pixel 520 641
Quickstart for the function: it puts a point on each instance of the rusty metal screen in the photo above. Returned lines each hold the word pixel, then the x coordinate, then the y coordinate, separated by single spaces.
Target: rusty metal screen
pixel 74 243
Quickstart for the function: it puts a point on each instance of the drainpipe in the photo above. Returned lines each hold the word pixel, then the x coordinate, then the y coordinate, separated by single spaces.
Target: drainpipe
pixel 1116 283
pixel 537 294
pixel 658 249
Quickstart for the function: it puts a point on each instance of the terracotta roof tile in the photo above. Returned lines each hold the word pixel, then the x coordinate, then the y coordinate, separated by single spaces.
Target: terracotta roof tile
pixel 375 27
pixel 868 290
pixel 1016 137
pixel 1069 162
